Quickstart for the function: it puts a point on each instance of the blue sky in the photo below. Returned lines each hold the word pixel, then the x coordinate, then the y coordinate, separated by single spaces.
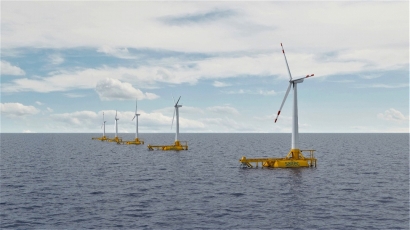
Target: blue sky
pixel 65 63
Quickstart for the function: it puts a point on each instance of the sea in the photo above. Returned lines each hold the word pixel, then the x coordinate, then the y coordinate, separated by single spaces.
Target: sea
pixel 69 181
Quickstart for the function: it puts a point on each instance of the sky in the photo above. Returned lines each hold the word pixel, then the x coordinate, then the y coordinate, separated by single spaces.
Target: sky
pixel 64 64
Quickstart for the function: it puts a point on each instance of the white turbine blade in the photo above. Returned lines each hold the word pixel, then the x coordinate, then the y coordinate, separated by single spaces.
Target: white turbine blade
pixel 177 101
pixel 286 60
pixel 173 98
pixel 136 106
pixel 283 102
pixel 173 118
pixel 133 118
pixel 307 76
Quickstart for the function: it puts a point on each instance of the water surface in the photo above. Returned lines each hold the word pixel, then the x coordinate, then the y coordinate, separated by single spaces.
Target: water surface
pixel 68 181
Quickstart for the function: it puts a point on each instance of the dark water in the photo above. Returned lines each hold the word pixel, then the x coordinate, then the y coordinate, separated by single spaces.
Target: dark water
pixel 68 181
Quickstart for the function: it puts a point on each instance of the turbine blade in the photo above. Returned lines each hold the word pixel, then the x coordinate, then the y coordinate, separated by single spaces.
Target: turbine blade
pixel 307 76
pixel 173 119
pixel 173 98
pixel 177 101
pixel 136 106
pixel 283 102
pixel 286 60
pixel 133 118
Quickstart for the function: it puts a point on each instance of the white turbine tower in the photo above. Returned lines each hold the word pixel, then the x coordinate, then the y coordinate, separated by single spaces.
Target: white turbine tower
pixel 295 129
pixel 103 125
pixel 176 106
pixel 136 120
pixel 116 125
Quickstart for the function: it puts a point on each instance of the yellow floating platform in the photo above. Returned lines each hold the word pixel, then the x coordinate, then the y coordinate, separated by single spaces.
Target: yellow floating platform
pixel 176 147
pixel 294 159
pixel 118 140
pixel 103 138
pixel 137 141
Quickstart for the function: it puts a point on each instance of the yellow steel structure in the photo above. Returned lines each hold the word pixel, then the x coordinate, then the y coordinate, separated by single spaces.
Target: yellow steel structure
pixel 118 140
pixel 103 138
pixel 137 141
pixel 176 147
pixel 294 159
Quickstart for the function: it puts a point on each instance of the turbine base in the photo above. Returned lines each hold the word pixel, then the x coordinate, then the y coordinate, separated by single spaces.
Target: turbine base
pixel 294 159
pixel 176 147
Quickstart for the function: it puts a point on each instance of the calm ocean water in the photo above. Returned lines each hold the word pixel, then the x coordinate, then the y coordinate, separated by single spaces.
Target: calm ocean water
pixel 68 181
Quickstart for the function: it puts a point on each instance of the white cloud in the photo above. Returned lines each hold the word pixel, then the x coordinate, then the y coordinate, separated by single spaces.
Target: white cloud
pixel 220 84
pixel 163 122
pixel 212 42
pixel 267 92
pixel 9 69
pixel 386 86
pixel 74 95
pixel 148 122
pixel 223 110
pixel 185 110
pixel 39 103
pixel 227 125
pixel 248 91
pixel 113 89
pixel 392 115
pixel 56 59
pixel 17 109
pixel 226 32
pixel 79 118
pixel 370 76
pixel 116 52
pixel 54 26
pixel 50 110
pixel 175 71
pixel 28 131
pixel 191 110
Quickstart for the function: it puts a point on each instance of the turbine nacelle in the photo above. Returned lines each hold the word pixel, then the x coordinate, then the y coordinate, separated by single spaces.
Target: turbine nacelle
pixel 116 118
pixel 103 121
pixel 136 108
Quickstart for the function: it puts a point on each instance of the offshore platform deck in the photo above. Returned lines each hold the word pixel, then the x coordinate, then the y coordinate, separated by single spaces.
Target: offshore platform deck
pixel 137 141
pixel 292 160
pixel 176 147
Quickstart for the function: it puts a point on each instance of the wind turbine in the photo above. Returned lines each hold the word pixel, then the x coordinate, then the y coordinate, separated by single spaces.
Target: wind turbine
pixel 103 138
pixel 103 125
pixel 136 141
pixel 295 127
pixel 176 111
pixel 177 145
pixel 295 158
pixel 116 125
pixel 136 120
